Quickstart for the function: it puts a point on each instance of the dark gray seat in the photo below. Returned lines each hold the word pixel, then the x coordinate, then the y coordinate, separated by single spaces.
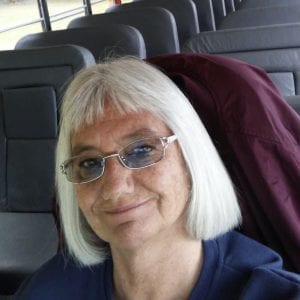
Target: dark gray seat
pixel 237 3
pixel 31 85
pixel 184 11
pixel 230 6
pixel 261 17
pixel 282 65
pixel 205 12
pixel 115 40
pixel 245 39
pixel 294 101
pixel 274 48
pixel 245 4
pixel 157 26
pixel 219 11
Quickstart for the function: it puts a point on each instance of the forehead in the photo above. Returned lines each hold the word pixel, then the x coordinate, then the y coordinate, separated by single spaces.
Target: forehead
pixel 116 128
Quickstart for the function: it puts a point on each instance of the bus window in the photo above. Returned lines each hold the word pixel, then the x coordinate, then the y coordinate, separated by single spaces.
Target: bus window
pixel 17 18
pixel 22 17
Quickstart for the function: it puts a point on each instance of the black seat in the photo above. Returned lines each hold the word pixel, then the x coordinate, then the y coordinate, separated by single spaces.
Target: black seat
pixel 116 40
pixel 282 66
pixel 261 16
pixel 184 11
pixel 237 3
pixel 31 86
pixel 205 12
pixel 219 11
pixel 246 39
pixel 294 101
pixel 274 48
pixel 230 6
pixel 156 25
pixel 245 4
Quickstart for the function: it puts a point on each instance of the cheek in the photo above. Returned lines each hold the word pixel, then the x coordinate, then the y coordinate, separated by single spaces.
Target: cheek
pixel 171 181
pixel 180 182
pixel 85 198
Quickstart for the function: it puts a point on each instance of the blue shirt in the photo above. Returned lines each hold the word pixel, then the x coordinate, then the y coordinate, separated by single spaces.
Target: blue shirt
pixel 235 267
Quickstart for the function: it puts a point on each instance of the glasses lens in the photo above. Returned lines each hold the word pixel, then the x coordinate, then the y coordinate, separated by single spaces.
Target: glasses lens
pixel 142 153
pixel 84 168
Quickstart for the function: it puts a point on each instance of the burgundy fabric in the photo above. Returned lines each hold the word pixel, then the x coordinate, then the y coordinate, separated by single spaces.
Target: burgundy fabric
pixel 258 137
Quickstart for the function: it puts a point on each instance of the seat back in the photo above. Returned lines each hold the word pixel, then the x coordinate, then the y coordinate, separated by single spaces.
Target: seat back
pixel 245 39
pixel 219 11
pixel 282 66
pixel 31 86
pixel 294 101
pixel 261 16
pixel 258 137
pixel 274 48
pixel 246 4
pixel 184 11
pixel 230 6
pixel 116 40
pixel 237 3
pixel 205 12
pixel 156 25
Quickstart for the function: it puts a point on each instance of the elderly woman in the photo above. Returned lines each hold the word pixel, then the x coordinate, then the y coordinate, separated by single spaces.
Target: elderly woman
pixel 146 205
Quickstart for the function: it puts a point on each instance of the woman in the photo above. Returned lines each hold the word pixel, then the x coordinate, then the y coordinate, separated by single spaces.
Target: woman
pixel 147 207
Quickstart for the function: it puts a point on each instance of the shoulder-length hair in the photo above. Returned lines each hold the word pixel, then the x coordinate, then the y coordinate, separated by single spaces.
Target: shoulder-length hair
pixel 132 85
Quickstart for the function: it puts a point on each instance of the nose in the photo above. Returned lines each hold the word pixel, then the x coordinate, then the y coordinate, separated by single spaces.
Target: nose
pixel 116 181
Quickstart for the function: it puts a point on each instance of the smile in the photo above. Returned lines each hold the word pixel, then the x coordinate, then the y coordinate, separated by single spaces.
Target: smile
pixel 126 208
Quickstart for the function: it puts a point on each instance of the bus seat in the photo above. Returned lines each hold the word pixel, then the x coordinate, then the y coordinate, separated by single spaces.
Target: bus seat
pixel 258 137
pixel 294 101
pixel 274 48
pixel 156 25
pixel 184 11
pixel 219 11
pixel 245 39
pixel 282 66
pixel 230 6
pixel 205 12
pixel 246 4
pixel 237 3
pixel 117 40
pixel 31 85
pixel 261 16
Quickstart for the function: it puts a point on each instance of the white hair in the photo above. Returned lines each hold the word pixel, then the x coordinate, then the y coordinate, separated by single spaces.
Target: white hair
pixel 132 85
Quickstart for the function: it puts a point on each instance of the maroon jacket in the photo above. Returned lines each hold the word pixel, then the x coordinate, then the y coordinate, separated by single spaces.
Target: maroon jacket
pixel 258 137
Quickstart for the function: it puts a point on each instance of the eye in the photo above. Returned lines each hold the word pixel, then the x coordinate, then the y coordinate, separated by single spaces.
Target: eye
pixel 88 168
pixel 90 163
pixel 140 150
pixel 141 153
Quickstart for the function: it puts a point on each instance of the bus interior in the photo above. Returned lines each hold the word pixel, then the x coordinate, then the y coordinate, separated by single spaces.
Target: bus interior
pixel 35 73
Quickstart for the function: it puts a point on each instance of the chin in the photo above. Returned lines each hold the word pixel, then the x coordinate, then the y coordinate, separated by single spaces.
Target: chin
pixel 132 235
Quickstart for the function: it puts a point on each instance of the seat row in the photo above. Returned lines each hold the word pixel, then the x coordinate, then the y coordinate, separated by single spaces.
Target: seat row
pixel 147 28
pixel 32 83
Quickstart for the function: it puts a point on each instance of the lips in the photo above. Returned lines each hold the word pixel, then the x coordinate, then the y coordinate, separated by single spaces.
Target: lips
pixel 126 208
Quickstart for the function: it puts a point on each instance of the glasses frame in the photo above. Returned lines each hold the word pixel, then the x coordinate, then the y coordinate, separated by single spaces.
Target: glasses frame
pixel 165 140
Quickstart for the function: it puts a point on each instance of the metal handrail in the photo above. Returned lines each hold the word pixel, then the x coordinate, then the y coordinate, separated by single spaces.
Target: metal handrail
pixel 96 1
pixel 69 10
pixel 67 13
pixel 21 25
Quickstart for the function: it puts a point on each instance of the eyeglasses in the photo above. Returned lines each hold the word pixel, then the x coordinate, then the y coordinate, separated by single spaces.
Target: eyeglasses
pixel 139 154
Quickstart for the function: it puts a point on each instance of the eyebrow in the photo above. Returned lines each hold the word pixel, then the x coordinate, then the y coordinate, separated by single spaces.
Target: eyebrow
pixel 78 149
pixel 138 134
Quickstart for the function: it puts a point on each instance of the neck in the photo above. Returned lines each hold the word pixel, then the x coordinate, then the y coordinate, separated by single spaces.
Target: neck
pixel 165 270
